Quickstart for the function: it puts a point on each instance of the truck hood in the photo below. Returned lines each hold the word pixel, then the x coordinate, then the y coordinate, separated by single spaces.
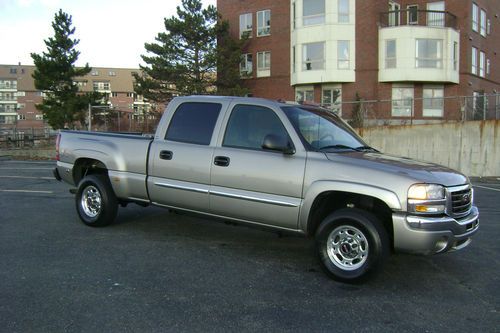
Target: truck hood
pixel 416 170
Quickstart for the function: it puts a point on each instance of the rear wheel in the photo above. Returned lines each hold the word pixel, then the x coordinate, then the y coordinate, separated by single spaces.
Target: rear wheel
pixel 352 244
pixel 96 202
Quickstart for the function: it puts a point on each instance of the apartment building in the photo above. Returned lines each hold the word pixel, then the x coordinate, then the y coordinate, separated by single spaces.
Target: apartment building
pixel 18 95
pixel 407 59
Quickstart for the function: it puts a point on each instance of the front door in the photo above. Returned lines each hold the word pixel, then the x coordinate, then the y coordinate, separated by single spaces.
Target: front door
pixel 253 184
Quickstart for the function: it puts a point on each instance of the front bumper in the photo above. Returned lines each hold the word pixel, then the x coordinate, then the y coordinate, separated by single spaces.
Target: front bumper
pixel 431 235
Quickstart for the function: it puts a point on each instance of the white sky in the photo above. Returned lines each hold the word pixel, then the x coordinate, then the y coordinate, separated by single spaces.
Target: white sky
pixel 112 33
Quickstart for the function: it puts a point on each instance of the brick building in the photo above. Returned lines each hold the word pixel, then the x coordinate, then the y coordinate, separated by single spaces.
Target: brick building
pixel 18 96
pixel 417 60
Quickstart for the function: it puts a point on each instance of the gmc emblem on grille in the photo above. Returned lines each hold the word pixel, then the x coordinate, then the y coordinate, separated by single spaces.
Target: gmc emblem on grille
pixel 466 198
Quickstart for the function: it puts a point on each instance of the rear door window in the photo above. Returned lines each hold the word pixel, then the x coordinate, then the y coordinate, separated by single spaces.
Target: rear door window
pixel 193 123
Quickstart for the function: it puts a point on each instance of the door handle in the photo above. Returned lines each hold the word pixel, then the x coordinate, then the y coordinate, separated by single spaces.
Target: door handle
pixel 166 155
pixel 222 161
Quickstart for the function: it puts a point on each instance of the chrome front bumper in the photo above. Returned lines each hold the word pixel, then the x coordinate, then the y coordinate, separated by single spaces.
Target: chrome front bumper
pixel 431 235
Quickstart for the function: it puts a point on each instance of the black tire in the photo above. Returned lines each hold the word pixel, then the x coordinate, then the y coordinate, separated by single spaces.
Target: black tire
pixel 96 203
pixel 352 245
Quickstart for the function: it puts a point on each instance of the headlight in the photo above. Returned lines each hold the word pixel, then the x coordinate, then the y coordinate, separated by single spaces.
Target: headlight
pixel 426 199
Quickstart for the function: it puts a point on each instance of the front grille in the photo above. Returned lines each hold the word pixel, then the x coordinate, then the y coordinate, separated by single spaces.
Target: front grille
pixel 461 202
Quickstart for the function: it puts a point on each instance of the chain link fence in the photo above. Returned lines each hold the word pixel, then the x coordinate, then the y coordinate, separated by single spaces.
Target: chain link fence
pixel 27 138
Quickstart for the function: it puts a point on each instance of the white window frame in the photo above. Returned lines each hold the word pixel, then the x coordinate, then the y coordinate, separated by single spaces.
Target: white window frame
pixel 403 107
pixel 436 107
pixel 474 61
pixel 483 24
pixel 391 62
pixel 475 17
pixel 343 62
pixel 263 26
pixel 488 27
pixel 247 30
pixel 314 19
pixel 246 70
pixel 305 91
pixel 408 15
pixel 336 106
pixel 488 67
pixel 343 17
pixel 394 19
pixel 263 69
pixel 307 63
pixel 438 60
pixel 482 63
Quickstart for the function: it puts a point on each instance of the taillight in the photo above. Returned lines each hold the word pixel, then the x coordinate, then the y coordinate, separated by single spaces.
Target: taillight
pixel 58 141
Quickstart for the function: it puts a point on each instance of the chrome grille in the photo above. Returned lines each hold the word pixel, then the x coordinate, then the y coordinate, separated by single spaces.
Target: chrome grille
pixel 461 202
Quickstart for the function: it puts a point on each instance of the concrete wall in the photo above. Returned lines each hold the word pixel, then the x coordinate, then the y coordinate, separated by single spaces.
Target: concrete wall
pixel 472 147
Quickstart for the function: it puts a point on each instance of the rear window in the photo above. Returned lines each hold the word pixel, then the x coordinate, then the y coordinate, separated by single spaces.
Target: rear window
pixel 193 123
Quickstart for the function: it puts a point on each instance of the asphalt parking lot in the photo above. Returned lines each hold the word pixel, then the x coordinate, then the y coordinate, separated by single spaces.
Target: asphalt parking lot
pixel 158 271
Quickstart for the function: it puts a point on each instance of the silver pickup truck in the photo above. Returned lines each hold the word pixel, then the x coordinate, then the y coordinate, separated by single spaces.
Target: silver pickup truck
pixel 292 168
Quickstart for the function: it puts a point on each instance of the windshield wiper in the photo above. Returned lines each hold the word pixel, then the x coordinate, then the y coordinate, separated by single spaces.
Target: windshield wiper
pixel 365 148
pixel 337 147
pixel 360 148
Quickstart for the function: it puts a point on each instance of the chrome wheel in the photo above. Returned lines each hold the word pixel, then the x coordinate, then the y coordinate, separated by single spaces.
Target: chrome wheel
pixel 91 201
pixel 347 247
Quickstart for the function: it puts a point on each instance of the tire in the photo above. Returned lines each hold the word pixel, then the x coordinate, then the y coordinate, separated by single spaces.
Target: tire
pixel 352 245
pixel 96 202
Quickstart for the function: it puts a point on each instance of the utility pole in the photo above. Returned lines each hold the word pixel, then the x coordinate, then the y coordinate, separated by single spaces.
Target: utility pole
pixel 90 118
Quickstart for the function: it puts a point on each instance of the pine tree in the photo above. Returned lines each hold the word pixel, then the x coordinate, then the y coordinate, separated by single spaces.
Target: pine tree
pixel 185 56
pixel 229 52
pixel 55 72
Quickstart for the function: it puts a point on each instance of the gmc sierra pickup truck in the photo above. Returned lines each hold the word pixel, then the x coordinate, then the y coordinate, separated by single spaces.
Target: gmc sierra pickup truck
pixel 289 167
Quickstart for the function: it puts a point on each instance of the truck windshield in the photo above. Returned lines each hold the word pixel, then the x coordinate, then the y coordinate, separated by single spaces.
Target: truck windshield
pixel 321 130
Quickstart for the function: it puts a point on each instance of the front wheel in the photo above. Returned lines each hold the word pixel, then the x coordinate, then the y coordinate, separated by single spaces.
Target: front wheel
pixel 96 202
pixel 352 244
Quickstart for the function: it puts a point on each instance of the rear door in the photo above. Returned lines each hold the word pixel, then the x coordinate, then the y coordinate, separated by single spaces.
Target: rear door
pixel 250 183
pixel 181 156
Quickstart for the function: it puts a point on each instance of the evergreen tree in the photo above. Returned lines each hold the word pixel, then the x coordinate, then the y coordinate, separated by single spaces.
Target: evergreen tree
pixel 55 72
pixel 185 55
pixel 229 52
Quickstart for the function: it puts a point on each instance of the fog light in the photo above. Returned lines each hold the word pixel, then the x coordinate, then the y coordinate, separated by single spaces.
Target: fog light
pixel 441 244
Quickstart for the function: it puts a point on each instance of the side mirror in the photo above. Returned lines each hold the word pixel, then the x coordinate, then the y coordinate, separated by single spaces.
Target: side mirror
pixel 278 143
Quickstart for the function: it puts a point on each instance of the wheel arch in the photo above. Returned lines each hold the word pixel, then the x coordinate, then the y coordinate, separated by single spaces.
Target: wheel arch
pixel 88 166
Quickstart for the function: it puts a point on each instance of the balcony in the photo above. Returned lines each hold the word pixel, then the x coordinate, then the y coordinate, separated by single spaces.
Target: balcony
pixel 419 46
pixel 414 17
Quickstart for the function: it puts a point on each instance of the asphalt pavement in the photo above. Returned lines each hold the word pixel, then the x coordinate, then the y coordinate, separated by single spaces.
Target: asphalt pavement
pixel 157 271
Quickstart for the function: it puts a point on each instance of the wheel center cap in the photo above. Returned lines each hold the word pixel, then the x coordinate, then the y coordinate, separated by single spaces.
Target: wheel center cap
pixel 345 248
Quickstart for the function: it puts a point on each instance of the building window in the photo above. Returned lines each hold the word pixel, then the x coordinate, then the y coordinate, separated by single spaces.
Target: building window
pixel 114 94
pixel 394 14
pixel 21 106
pixel 488 67
pixel 94 73
pixel 304 94
pixel 429 53
pixel 264 23
pixel 435 14
pixel 332 98
pixel 474 61
pixel 39 117
pixel 263 64
pixel 390 53
pixel 482 63
pixel 13 71
pixel 21 93
pixel 130 94
pixel 246 65
pixel 294 14
pixel 412 14
pixel 246 25
pixel 483 23
pixel 294 59
pixel 455 56
pixel 402 101
pixel 343 54
pixel 313 12
pixel 21 117
pixel 488 27
pixel 112 73
pixel 313 56
pixel 475 17
pixel 433 102
pixel 101 86
pixel 343 11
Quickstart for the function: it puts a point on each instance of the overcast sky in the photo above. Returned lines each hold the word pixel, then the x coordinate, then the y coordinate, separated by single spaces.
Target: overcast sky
pixel 112 33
